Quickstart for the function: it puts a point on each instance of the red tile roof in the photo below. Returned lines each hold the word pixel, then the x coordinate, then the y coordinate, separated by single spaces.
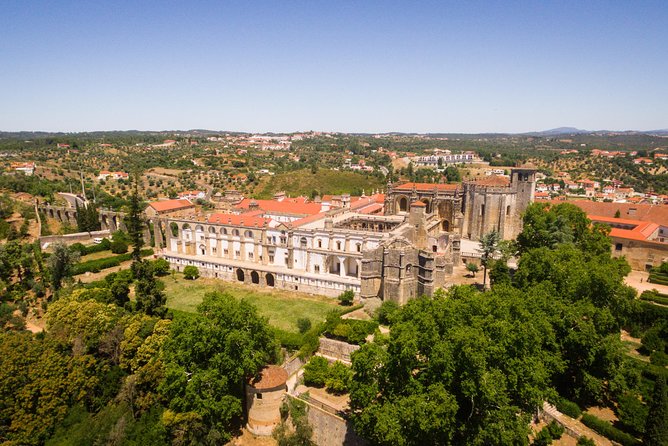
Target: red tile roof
pixel 494 181
pixel 295 206
pixel 427 186
pixel 269 377
pixel 644 212
pixel 171 205
pixel 250 221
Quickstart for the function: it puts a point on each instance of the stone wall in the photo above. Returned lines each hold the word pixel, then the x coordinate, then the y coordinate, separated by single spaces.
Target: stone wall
pixel 337 350
pixel 330 429
pixel 70 239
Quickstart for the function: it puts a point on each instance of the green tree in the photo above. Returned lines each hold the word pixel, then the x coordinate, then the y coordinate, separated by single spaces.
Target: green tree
pixel 60 264
pixel 136 221
pixel 210 355
pixel 160 267
pixel 449 375
pixel 656 429
pixel 149 295
pixel 472 268
pixel 488 250
pixel 119 243
pixel 316 371
pixel 452 174
pixel 190 272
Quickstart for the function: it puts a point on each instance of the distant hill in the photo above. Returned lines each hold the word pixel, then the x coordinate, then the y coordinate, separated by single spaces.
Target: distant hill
pixel 558 131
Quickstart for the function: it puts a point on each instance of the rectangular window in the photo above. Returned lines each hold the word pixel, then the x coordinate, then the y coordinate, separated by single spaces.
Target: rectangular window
pixel 316 268
pixel 271 259
pixel 618 247
pixel 237 253
pixel 250 255
pixel 226 251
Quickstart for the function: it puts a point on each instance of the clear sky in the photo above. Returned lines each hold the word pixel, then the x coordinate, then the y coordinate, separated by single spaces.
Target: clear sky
pixel 360 66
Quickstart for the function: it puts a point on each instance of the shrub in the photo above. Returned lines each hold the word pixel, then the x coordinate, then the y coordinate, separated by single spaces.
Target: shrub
pixel 190 272
pixel 568 408
pixel 316 372
pixel 338 379
pixel 552 431
pixel 608 430
pixel 346 298
pixel 108 262
pixel 654 296
pixel 119 247
pixel 83 250
pixel 386 312
pixel 161 267
pixel 289 340
pixel 303 324
pixel 586 441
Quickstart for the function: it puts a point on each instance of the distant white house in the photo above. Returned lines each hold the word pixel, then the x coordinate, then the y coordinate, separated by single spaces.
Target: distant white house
pixel 105 174
pixel 26 168
pixel 193 195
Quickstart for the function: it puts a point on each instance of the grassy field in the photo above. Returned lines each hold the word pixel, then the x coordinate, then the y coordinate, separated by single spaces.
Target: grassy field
pixel 283 308
pixel 325 181
pixel 97 255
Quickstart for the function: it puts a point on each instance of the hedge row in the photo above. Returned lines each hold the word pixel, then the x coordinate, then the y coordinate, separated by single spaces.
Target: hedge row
pixel 608 430
pixel 658 278
pixel 105 245
pixel 568 408
pixel 108 262
pixel 651 296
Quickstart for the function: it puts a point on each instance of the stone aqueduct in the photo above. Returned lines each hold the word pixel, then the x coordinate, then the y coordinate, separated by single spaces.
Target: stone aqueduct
pixel 109 220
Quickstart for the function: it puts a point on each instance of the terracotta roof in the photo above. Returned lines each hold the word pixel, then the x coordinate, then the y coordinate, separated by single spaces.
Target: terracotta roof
pixel 298 206
pixel 269 377
pixel 250 221
pixel 427 186
pixel 171 205
pixel 494 181
pixel 305 220
pixel 418 204
pixel 372 209
pixel 644 212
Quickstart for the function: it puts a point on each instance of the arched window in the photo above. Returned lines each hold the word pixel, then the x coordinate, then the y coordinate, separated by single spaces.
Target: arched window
pixel 302 242
pixel 507 210
pixel 403 204
pixel 319 243
pixel 359 247
pixel 248 234
pixel 212 230
pixel 338 246
pixel 235 232
pixel 223 231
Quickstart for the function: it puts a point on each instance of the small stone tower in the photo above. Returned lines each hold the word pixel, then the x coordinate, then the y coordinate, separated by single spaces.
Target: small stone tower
pixel 264 395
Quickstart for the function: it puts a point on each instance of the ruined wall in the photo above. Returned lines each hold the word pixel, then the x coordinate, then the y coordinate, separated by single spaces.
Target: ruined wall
pixel 337 350
pixel 330 429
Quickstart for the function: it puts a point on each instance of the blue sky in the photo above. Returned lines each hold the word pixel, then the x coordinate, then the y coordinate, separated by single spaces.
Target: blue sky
pixel 362 66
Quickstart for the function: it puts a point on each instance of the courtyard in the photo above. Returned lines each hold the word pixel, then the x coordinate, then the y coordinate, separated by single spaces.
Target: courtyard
pixel 281 307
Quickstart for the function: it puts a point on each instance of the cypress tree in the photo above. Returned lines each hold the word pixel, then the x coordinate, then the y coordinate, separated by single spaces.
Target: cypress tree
pixel 136 223
pixel 656 427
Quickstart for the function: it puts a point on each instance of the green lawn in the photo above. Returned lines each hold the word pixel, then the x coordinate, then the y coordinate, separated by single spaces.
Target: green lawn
pixel 283 308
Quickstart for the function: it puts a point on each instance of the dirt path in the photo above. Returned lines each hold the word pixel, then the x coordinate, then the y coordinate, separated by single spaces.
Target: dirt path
pixel 576 426
pixel 638 280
